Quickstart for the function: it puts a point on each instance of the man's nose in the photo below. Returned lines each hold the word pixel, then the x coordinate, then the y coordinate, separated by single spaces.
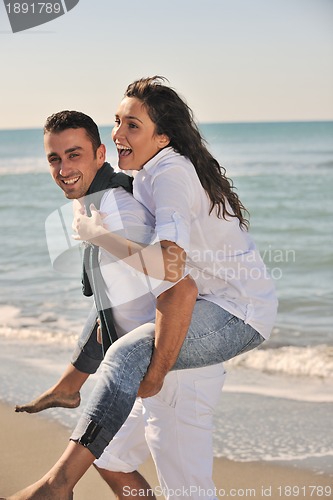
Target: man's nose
pixel 65 168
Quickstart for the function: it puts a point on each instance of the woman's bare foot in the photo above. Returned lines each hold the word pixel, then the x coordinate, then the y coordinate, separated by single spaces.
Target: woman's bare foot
pixel 50 399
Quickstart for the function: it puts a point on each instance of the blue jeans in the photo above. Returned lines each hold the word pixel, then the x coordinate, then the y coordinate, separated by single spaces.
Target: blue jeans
pixel 214 336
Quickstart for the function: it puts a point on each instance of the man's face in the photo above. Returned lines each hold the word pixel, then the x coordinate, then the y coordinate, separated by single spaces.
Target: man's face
pixel 73 164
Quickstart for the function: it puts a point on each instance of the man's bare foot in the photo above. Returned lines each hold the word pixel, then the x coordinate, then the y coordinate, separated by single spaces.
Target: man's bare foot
pixel 50 399
pixel 41 494
pixel 41 491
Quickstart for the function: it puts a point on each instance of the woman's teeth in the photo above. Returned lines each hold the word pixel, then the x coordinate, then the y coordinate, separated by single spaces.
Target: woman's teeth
pixel 123 151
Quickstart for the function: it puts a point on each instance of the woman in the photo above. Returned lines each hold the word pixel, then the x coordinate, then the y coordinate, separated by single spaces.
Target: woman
pixel 200 229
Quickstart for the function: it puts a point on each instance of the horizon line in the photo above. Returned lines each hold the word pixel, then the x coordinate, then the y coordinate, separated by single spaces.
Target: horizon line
pixel 244 122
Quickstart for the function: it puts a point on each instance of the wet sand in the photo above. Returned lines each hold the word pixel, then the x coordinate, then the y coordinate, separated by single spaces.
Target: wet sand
pixel 30 444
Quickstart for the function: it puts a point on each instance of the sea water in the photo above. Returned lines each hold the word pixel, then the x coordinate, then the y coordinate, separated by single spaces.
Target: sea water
pixel 277 402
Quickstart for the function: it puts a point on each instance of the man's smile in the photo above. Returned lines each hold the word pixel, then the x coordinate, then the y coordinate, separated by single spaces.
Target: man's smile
pixel 70 182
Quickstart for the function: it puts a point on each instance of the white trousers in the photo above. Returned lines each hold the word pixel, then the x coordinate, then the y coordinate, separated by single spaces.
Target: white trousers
pixel 176 428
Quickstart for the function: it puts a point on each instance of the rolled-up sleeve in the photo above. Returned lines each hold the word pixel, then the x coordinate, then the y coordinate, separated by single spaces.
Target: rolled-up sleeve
pixel 173 201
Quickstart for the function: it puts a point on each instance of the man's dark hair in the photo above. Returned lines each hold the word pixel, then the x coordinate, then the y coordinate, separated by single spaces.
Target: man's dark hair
pixel 64 120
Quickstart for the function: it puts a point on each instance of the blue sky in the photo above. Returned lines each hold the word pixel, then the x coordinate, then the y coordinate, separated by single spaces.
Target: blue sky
pixel 233 60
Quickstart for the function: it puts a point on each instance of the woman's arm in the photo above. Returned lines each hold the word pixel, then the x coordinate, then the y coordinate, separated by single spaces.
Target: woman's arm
pixel 163 260
pixel 173 317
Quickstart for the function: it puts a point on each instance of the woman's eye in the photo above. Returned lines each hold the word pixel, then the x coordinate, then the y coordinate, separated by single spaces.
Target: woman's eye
pixel 132 125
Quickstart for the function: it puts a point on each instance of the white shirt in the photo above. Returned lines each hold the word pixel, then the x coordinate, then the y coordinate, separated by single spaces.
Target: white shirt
pixel 222 257
pixel 131 293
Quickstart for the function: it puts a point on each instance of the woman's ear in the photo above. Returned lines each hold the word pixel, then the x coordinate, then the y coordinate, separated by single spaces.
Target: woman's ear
pixel 162 141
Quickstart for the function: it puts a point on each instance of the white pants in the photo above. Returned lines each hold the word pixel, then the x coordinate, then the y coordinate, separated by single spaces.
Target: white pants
pixel 176 428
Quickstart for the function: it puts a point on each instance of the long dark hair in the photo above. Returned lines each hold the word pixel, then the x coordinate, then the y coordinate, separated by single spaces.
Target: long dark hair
pixel 173 117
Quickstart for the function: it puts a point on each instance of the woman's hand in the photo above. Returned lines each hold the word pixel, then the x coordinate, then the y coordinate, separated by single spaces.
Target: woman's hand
pixel 87 228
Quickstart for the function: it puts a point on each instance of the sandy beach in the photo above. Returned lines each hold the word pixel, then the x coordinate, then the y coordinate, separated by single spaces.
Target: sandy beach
pixel 31 443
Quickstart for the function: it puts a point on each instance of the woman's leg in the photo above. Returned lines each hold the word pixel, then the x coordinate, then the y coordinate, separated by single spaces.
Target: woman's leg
pixel 113 397
pixel 214 336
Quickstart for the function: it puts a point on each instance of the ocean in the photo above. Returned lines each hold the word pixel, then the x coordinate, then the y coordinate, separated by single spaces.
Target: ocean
pixel 277 403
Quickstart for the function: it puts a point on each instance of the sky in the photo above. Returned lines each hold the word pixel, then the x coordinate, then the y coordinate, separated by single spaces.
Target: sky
pixel 232 60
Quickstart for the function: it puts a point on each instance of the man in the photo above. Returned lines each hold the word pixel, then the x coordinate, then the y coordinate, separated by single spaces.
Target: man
pixel 175 426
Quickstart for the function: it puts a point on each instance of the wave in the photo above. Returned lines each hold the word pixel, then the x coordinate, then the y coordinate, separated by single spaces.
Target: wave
pixel 38 336
pixel 310 361
pixel 45 328
pixel 31 165
pixel 315 361
pixel 19 166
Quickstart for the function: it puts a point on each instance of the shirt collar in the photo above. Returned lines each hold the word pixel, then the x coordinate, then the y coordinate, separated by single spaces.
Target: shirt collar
pixel 161 154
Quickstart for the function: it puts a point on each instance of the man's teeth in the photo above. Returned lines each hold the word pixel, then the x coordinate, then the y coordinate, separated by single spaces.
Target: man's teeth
pixel 70 181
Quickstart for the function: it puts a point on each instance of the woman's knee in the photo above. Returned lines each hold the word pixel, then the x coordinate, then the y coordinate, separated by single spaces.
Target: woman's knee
pixel 135 346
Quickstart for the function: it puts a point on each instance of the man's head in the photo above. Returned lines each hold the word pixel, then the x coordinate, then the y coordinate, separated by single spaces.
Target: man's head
pixel 74 151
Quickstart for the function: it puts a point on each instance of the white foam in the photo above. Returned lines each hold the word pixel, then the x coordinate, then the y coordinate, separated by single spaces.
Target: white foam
pixel 18 166
pixel 8 313
pixel 311 361
pixel 40 336
pixel 281 389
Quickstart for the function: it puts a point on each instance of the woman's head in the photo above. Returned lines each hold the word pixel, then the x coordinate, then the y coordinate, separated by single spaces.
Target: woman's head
pixel 135 135
pixel 169 113
pixel 168 121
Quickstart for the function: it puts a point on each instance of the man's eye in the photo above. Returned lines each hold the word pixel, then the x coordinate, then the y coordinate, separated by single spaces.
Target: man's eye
pixel 54 159
pixel 73 155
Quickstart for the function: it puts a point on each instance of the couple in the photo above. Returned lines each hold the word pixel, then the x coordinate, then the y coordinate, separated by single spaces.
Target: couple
pixel 214 299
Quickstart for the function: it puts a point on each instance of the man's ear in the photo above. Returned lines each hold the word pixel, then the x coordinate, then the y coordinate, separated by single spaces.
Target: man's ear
pixel 162 141
pixel 101 154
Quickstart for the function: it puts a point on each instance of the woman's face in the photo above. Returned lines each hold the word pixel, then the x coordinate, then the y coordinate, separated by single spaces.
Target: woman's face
pixel 135 136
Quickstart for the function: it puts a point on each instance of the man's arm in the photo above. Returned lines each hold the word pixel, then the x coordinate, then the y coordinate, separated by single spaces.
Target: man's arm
pixel 173 317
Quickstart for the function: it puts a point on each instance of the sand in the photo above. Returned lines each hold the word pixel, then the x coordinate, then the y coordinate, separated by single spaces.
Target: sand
pixel 30 444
